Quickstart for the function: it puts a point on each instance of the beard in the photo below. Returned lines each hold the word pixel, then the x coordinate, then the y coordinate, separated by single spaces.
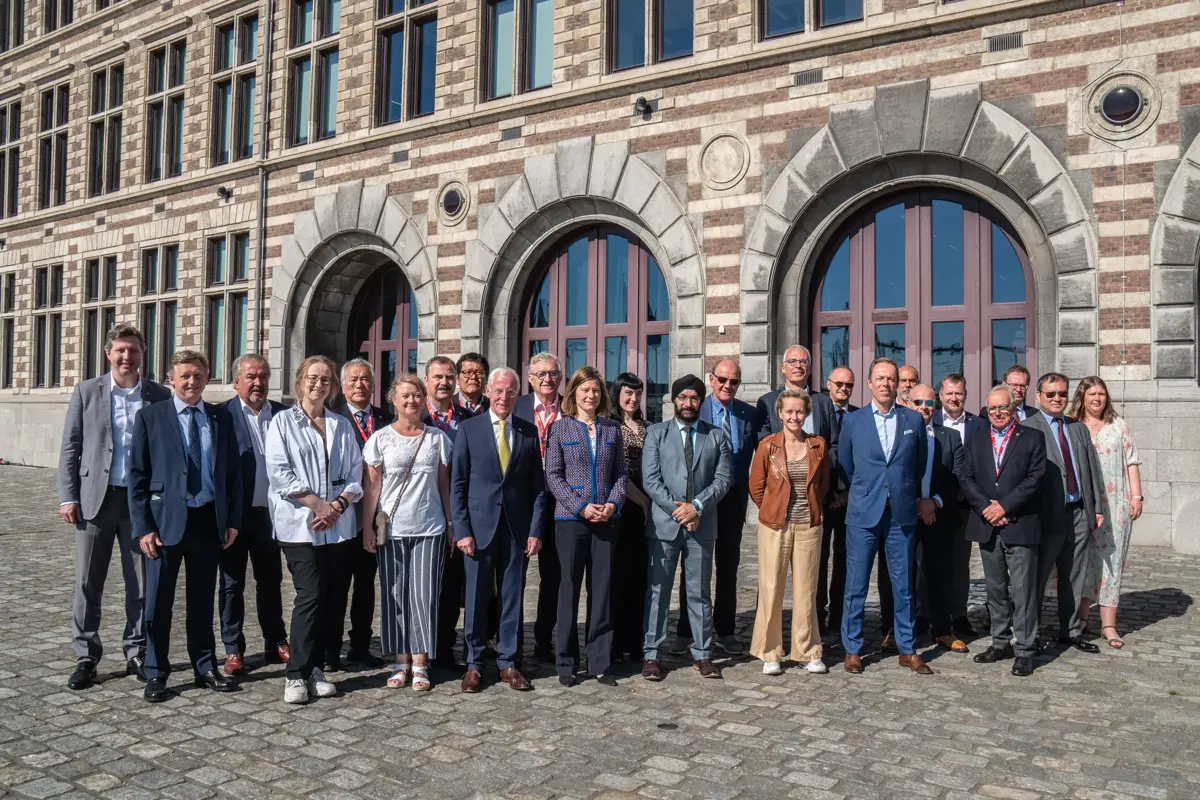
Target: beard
pixel 688 415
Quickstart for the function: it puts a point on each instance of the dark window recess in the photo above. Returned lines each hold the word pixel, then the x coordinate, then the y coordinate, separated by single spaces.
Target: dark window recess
pixel 452 202
pixel 308 175
pixel 809 76
pixel 399 157
pixel 508 134
pixel 1121 105
pixel 1005 41
pixel 383 327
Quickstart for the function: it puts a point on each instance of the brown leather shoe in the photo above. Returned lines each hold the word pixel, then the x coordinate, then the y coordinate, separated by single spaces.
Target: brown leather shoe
pixel 234 664
pixel 283 653
pixel 953 644
pixel 706 669
pixel 853 665
pixel 515 679
pixel 472 681
pixel 916 664
pixel 652 669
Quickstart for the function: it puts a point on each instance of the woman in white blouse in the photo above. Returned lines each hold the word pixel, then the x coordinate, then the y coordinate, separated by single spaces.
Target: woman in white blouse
pixel 408 478
pixel 315 469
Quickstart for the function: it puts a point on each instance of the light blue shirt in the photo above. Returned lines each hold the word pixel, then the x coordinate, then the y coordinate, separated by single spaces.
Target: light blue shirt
pixel 885 428
pixel 1054 423
pixel 999 436
pixel 686 431
pixel 719 413
pixel 208 491
pixel 124 405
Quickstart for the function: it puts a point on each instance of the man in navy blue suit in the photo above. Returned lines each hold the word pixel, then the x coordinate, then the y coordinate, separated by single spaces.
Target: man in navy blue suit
pixel 185 504
pixel 881 457
pixel 497 504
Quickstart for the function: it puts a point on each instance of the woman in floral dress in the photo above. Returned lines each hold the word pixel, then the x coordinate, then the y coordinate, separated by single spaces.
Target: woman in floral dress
pixel 1122 502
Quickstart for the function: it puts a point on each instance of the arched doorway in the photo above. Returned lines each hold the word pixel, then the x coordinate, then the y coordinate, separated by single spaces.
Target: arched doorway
pixel 599 298
pixel 935 279
pixel 383 327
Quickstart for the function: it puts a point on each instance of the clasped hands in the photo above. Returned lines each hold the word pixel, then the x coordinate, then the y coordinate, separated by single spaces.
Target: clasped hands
pixel 325 515
pixel 686 515
pixel 994 515
pixel 596 512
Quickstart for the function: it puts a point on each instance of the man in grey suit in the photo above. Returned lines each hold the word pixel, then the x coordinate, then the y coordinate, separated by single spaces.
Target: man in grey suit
pixel 1072 489
pixel 687 467
pixel 93 470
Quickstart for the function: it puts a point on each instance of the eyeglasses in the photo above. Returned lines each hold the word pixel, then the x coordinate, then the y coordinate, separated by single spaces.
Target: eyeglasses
pixel 1053 394
pixel 1012 385
pixel 999 409
pixel 473 373
pixel 728 381
pixel 313 380
pixel 926 403
pixel 847 385
pixel 552 374
pixel 796 362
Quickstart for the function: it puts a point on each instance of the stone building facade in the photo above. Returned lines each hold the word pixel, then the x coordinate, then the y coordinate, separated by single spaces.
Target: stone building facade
pixel 733 200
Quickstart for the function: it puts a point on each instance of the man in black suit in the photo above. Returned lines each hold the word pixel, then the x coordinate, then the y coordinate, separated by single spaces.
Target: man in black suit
pixel 358 387
pixel 954 416
pixel 831 589
pixel 1017 378
pixel 252 413
pixel 796 361
pixel 541 408
pixel 1002 479
pixel 185 504
pixel 472 370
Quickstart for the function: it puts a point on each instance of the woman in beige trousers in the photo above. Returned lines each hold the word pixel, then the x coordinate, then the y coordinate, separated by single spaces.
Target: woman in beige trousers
pixel 788 479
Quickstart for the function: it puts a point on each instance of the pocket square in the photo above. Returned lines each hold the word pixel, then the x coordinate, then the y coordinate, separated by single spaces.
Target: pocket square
pixel 156 497
pixel 906 433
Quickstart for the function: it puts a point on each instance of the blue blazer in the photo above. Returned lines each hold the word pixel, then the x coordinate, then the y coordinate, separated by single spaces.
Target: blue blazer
pixel 479 492
pixel 745 436
pixel 576 476
pixel 875 479
pixel 245 446
pixel 158 473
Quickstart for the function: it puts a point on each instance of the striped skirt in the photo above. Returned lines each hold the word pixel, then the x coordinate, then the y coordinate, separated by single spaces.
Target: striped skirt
pixel 410 581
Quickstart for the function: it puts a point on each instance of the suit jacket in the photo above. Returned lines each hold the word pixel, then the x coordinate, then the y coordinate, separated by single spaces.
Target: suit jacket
pixel 460 413
pixel 480 492
pixel 664 476
pixel 245 446
pixel 87 443
pixel 379 418
pixel 822 417
pixel 575 475
pixel 747 435
pixel 158 473
pixel 1017 487
pixel 948 463
pixel 1089 477
pixel 875 478
pixel 525 405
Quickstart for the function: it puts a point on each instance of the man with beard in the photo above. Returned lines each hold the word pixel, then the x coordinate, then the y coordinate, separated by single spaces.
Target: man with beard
pixel 687 468
pixel 909 377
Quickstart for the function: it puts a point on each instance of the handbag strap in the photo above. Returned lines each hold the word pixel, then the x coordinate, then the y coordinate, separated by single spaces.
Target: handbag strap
pixel 408 473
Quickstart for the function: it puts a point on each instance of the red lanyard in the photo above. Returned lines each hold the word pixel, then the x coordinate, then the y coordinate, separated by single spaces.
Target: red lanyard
pixel 998 452
pixel 370 423
pixel 544 428
pixel 437 416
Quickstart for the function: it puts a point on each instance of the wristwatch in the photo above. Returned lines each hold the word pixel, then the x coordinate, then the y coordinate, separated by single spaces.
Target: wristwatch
pixel 1136 497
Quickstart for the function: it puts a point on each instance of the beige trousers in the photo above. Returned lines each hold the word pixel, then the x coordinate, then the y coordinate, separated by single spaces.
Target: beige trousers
pixel 800 546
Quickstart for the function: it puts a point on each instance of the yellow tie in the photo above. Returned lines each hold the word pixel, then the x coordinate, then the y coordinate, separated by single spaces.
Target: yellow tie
pixel 502 446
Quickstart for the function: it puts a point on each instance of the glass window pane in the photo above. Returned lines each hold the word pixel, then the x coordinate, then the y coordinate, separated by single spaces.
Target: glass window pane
pixel 412 314
pixel 158 70
pixel 783 16
pixel 629 35
pixel 175 136
pixel 178 62
pixel 150 271
pixel 302 22
pixel 835 290
pixel 392 60
pixel 948 348
pixel 301 99
pixel 616 281
pixel 241 256
pixel 168 333
pixel 889 257
pixel 110 277
pixel 426 33
pixel 99 91
pixel 835 350
pixel 539 346
pixel 500 70
pixel 216 261
pixel 245 116
pixel 113 164
pixel 946 282
pixel 577 354
pixel 91 339
pixel 249 44
pixel 577 284
pixel 154 139
pixel 834 12
pixel 216 337
pixel 412 361
pixel 675 25
pixel 392 7
pixel 539 309
pixel 387 369
pixel 658 302
pixel 171 267
pixel 150 331
pixel 658 374
pixel 541 43
pixel 616 354
pixel 224 55
pixel 108 320
pixel 223 113
pixel 91 284
pixel 327 125
pixel 116 86
pixel 1008 278
pixel 889 342
pixel 390 299
pixel 56 342
pixel 333 17
pixel 1008 346
pixel 239 312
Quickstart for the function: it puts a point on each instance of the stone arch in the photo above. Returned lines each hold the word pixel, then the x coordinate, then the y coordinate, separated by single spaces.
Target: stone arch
pixel 1174 257
pixel 947 137
pixel 332 250
pixel 580 183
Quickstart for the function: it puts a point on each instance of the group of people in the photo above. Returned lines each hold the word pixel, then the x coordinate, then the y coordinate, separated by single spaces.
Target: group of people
pixel 444 495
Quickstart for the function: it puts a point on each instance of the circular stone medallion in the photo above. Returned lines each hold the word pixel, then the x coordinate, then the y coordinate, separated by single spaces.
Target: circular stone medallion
pixel 724 160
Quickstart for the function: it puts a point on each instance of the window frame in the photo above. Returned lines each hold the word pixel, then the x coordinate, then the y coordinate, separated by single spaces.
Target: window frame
pixel 652 32
pixel 819 16
pixel 10 157
pixel 366 328
pixel 57 14
pixel 50 287
pixel 523 47
pixel 105 118
pixel 53 145
pixel 239 71
pixel 168 96
pixel 8 329
pixel 406 22
pixel 233 288
pixel 101 272
pixel 12 24
pixel 325 41
pixel 763 11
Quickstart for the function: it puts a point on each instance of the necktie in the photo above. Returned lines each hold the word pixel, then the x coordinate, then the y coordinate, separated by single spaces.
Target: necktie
pixel 502 446
pixel 362 419
pixel 689 491
pixel 1072 481
pixel 195 478
pixel 840 413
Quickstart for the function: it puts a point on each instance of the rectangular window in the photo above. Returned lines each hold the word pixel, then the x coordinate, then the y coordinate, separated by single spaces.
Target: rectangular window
pixel 241 256
pixel 239 307
pixel 154 141
pixel 215 342
pixel 175 136
pixel 10 293
pixel 150 271
pixel 52 147
pixel 10 157
pixel 233 90
pixel 247 39
pixel 170 275
pixel 391 76
pixel 108 319
pixel 424 65
pixel 628 34
pixel 222 121
pixel 327 88
pixel 39 351
pixel 389 7
pixel 169 314
pixel 12 27
pixel 91 280
pixel 674 29
pixel 165 111
pixel 224 46
pixel 836 12
pixel 57 14
pixel 91 342
pixel 243 116
pixel 41 287
pixel 781 17
pixel 217 251
pixel 56 342
pixel 302 22
pixel 9 347
pixel 104 140
pixel 150 331
pixel 110 277
pixel 56 285
pixel 539 47
pixel 301 99
pixel 501 27
pixel 331 17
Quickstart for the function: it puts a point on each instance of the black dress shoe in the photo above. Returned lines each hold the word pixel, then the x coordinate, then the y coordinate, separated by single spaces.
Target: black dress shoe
pixel 83 676
pixel 1022 666
pixel 994 654
pixel 365 657
pixel 606 680
pixel 156 690
pixel 137 668
pixel 963 627
pixel 215 681
pixel 1079 643
pixel 543 652
pixel 567 680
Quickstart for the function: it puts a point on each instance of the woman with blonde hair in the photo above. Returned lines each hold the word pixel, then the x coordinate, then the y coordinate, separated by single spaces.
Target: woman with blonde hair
pixel 408 479
pixel 788 479
pixel 1121 505
pixel 315 470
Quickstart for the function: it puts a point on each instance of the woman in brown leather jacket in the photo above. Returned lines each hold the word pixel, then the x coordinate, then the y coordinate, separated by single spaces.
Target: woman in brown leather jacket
pixel 788 478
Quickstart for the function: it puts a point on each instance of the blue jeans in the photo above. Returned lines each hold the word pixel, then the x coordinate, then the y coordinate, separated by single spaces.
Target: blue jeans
pixel 898 543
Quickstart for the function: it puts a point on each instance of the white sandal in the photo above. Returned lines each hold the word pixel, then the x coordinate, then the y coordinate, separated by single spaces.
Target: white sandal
pixel 399 677
pixel 420 679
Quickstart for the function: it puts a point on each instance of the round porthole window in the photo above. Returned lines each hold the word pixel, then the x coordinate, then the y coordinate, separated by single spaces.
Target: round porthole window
pixel 453 202
pixel 1121 105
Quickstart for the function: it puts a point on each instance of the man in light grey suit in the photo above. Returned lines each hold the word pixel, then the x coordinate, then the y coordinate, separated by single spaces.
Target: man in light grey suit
pixel 687 467
pixel 1071 494
pixel 93 470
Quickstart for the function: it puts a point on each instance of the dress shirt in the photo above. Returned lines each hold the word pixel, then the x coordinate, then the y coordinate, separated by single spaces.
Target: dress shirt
pixel 496 430
pixel 885 427
pixel 959 425
pixel 809 425
pixel 474 408
pixel 208 491
pixel 685 431
pixel 997 437
pixel 927 478
pixel 1054 422
pixel 1021 411
pixel 257 422
pixel 125 404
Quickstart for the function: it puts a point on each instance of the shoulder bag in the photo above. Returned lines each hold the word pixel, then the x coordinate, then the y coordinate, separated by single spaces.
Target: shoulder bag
pixel 382 518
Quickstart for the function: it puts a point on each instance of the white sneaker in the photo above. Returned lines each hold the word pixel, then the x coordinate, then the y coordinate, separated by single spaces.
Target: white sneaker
pixel 817 666
pixel 319 686
pixel 772 668
pixel 295 691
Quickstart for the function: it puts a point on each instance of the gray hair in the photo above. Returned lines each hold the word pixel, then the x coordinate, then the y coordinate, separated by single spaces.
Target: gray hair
pixel 539 358
pixel 1007 393
pixel 509 371
pixel 792 347
pixel 357 362
pixel 250 358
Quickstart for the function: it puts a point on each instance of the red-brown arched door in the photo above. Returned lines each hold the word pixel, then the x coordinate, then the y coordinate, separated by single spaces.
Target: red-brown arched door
pixel 383 328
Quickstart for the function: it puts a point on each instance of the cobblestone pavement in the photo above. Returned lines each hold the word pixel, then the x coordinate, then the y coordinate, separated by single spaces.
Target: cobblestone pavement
pixel 1116 725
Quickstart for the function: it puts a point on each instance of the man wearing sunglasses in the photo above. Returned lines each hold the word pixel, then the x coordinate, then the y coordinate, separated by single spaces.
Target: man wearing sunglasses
pixel 1071 493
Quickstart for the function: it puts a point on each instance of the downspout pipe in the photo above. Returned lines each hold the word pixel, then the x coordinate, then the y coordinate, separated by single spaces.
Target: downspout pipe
pixel 260 288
